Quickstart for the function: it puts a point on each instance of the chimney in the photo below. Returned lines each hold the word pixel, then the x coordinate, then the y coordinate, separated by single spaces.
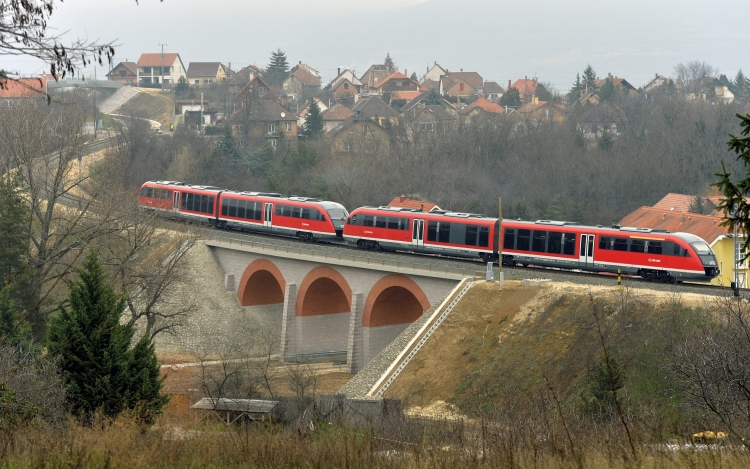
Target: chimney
pixel 406 72
pixel 300 62
pixel 526 77
pixel 462 69
pixel 436 62
pixel 401 199
pixel 339 70
pixel 683 216
pixel 508 85
pixel 656 75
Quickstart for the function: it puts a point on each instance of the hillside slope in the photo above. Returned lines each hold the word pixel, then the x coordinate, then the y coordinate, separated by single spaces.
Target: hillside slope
pixel 151 104
pixel 499 343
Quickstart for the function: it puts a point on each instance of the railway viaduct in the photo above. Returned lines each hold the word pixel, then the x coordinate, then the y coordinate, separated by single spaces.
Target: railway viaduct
pixel 337 304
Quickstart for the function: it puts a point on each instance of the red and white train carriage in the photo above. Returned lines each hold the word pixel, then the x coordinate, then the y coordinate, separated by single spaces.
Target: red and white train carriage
pixel 305 218
pixel 653 254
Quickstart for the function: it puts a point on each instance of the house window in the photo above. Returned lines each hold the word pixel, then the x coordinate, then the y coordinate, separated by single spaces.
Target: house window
pixel 273 128
pixel 262 90
pixel 346 86
pixel 288 126
pixel 196 82
pixel 426 126
pixel 209 81
pixel 398 83
pixel 147 70
pixel 364 129
pixel 347 147
pixel 273 142
pixel 123 73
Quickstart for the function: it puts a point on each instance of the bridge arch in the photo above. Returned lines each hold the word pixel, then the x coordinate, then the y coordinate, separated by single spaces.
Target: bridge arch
pixel 262 284
pixel 323 291
pixel 394 299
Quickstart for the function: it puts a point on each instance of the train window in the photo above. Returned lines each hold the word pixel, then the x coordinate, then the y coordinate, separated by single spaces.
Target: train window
pixel 184 202
pixel 569 244
pixel 523 240
pixel 604 243
pixel 654 247
pixel 685 252
pixel 211 204
pixel 240 209
pixel 405 224
pixel 224 206
pixel 675 251
pixel 369 220
pixel 393 223
pixel 258 211
pixel 540 241
pixel 509 242
pixel 352 220
pixel 232 211
pixel 701 248
pixel 484 236
pixel 620 244
pixel 306 213
pixel 432 231
pixel 554 244
pixel 286 210
pixel 637 245
pixel 381 222
pixel 444 235
pixel 277 210
pixel 296 212
pixel 470 239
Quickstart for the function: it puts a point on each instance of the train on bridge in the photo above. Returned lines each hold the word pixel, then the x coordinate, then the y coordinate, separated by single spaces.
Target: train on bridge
pixel 645 252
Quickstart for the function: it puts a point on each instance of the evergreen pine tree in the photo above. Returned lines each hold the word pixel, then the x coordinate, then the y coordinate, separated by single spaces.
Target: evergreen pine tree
pixel 741 85
pixel 608 91
pixel 101 372
pixel 589 75
pixel 389 64
pixel 577 86
pixel 413 76
pixel 313 120
pixel 146 381
pixel 277 68
pixel 14 329
pixel 14 243
pixel 511 98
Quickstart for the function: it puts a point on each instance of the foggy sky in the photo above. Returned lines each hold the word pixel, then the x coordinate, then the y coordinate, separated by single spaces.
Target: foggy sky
pixel 502 40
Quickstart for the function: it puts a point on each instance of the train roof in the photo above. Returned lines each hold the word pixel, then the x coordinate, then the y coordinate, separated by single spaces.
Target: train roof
pixel 186 185
pixel 579 226
pixel 443 213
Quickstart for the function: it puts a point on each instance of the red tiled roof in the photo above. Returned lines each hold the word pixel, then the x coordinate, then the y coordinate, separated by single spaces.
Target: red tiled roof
pixel 23 88
pixel 154 60
pixel 675 202
pixel 407 95
pixel 409 203
pixel 338 112
pixel 525 87
pixel 401 76
pixel 484 105
pixel 704 226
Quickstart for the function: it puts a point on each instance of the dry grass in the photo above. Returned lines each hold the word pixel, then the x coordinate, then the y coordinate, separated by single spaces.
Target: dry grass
pixel 123 443
pixel 151 104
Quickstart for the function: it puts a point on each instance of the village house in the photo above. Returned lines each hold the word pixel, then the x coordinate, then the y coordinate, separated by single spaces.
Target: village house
pixel 492 91
pixel 307 68
pixel 374 76
pixel 416 104
pixel 401 84
pixel 542 110
pixel 244 76
pixel 525 88
pixel 124 72
pixel 433 74
pixel 264 121
pixel 619 83
pixel 481 108
pixel 207 73
pixel 13 91
pixel 656 83
pixel 376 109
pixel 433 118
pixel 461 84
pixel 300 83
pixel 715 90
pixel 256 89
pixel 335 116
pixel 154 69
pixel 358 135
pixel 345 84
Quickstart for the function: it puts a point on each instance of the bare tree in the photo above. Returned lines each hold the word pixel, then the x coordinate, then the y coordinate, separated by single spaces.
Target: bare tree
pixel 24 31
pixel 693 74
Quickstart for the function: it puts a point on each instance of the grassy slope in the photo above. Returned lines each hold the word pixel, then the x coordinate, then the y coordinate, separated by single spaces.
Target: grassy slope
pixel 499 343
pixel 150 104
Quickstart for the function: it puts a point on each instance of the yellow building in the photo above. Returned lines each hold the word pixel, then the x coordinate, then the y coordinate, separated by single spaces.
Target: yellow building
pixel 706 227
pixel 207 73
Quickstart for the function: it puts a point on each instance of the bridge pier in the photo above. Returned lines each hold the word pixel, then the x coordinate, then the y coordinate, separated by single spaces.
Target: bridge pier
pixel 335 307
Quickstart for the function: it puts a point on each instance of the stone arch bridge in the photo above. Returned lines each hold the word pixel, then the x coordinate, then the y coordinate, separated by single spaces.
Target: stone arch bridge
pixel 337 304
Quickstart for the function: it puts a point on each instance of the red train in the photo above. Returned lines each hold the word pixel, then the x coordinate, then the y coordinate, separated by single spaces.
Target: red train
pixel 652 254
pixel 305 218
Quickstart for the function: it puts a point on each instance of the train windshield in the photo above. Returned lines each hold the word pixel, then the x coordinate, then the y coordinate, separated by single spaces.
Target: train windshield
pixel 701 248
pixel 337 213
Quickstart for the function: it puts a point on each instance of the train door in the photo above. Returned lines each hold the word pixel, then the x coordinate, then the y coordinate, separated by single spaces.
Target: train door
pixel 417 233
pixel 268 217
pixel 586 255
pixel 176 201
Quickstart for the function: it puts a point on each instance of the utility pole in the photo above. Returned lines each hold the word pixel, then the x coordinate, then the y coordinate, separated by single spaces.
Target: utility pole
pixel 161 71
